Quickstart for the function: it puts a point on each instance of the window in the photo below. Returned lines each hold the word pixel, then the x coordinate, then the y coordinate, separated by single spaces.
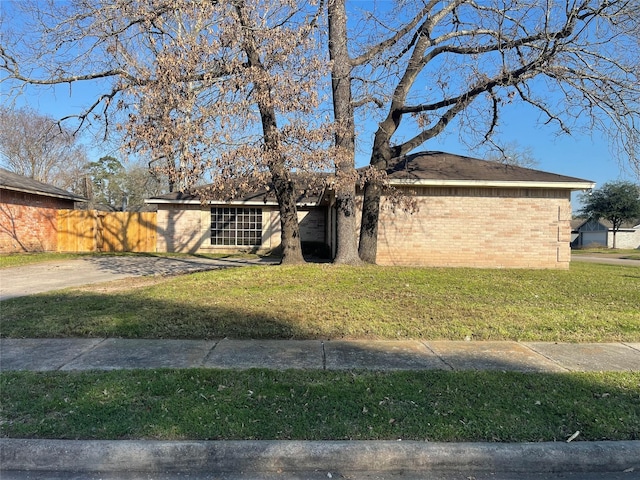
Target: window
pixel 236 226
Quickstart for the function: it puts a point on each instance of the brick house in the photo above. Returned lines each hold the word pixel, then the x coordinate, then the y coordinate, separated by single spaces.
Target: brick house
pixel 28 213
pixel 470 213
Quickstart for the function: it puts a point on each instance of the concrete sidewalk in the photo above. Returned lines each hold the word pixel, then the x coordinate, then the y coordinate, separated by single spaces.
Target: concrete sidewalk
pixel 115 354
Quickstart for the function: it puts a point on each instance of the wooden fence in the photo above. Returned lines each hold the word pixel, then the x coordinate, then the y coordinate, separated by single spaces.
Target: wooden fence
pixel 93 231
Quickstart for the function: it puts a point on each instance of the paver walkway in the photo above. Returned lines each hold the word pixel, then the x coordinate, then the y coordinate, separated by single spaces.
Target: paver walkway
pixel 113 354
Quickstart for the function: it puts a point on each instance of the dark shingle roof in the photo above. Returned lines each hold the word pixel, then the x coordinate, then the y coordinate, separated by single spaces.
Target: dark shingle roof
pixel 577 223
pixel 450 167
pixel 261 195
pixel 20 183
pixel 426 168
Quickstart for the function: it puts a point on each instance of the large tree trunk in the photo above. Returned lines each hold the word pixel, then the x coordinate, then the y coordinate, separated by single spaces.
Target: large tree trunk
pixel 345 186
pixel 368 249
pixel 280 175
pixel 290 229
pixel 381 155
pixel 284 190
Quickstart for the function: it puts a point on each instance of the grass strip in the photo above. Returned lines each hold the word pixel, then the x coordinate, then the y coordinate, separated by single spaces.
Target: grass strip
pixel 588 303
pixel 321 405
pixel 22 259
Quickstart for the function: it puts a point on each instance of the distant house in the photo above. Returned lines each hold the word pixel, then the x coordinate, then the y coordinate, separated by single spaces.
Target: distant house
pixel 28 213
pixel 471 213
pixel 591 233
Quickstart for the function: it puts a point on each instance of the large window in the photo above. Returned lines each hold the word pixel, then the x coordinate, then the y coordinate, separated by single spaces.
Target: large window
pixel 236 226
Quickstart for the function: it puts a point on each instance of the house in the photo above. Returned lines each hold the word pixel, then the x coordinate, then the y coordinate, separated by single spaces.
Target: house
pixel 470 213
pixel 28 213
pixel 599 233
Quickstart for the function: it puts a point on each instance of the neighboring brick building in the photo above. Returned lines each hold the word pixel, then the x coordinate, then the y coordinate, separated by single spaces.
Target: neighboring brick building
pixel 28 213
pixel 470 213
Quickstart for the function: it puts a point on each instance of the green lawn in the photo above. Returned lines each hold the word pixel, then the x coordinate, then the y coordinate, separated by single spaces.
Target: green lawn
pixel 587 303
pixel 22 259
pixel 318 405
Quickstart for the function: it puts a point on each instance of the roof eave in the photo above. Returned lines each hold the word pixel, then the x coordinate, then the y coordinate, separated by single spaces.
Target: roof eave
pixel 565 185
pixel 158 201
pixel 44 194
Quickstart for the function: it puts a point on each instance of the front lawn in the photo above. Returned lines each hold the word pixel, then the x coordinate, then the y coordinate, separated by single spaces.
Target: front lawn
pixel 588 303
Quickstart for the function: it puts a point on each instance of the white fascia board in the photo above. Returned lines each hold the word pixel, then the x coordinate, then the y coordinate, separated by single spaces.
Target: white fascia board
pixel 493 184
pixel 197 202
pixel 220 203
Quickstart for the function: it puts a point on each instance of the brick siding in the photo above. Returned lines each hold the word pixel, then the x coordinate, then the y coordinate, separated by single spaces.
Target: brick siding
pixel 453 227
pixel 475 227
pixel 187 228
pixel 28 222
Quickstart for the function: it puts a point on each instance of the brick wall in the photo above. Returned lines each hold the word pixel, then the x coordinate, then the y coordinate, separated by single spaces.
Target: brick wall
pixel 28 222
pixel 179 228
pixel 469 227
pixel 625 238
pixel 187 228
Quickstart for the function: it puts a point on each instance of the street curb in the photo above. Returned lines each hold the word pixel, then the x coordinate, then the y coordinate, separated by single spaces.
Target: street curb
pixel 291 456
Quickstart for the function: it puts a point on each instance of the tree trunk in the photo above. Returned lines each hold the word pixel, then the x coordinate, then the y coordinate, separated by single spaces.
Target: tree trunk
pixel 380 157
pixel 369 226
pixel 345 186
pixel 280 174
pixel 290 228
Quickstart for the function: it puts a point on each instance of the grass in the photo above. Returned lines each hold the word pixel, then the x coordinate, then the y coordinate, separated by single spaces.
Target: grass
pixel 318 405
pixel 22 259
pixel 588 303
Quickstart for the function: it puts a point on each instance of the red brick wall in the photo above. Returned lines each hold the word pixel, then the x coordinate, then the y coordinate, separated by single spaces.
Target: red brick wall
pixel 479 227
pixel 28 223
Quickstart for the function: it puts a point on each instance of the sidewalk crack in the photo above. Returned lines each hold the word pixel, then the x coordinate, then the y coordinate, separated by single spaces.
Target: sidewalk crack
pixel 84 352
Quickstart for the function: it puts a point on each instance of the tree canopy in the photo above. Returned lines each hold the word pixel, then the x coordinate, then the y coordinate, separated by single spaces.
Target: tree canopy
pixel 234 89
pixel 33 145
pixel 463 63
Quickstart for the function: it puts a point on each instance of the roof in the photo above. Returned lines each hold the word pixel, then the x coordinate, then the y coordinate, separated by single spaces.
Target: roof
pixel 261 196
pixel 446 169
pixel 578 223
pixel 20 183
pixel 419 169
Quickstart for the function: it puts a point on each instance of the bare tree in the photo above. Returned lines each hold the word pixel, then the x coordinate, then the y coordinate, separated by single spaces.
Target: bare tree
pixel 464 62
pixel 223 88
pixel 34 145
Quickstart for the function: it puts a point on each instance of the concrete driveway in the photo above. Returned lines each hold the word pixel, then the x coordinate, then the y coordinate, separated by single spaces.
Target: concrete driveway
pixel 608 259
pixel 47 276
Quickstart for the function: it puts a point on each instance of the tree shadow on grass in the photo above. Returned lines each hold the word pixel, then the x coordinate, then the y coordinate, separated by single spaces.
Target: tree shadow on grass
pixel 76 313
pixel 214 404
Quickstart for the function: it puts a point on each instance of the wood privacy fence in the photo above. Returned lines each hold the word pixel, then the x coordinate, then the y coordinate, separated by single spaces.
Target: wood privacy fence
pixel 93 231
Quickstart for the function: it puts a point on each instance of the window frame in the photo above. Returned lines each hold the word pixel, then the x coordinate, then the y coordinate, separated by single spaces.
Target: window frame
pixel 235 226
